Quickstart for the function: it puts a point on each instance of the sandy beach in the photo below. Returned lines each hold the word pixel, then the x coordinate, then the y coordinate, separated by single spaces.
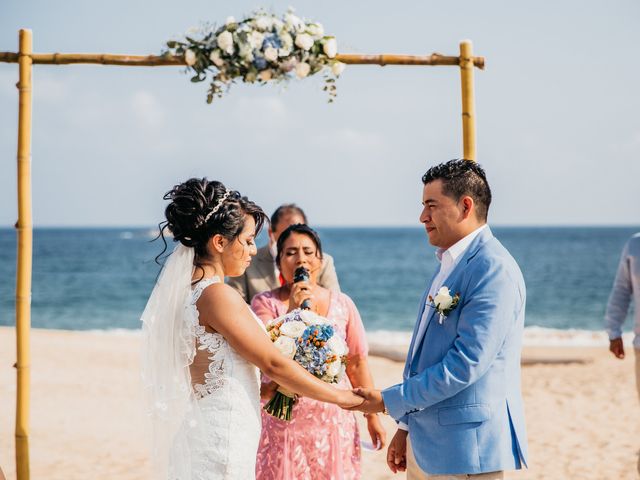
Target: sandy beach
pixel 88 421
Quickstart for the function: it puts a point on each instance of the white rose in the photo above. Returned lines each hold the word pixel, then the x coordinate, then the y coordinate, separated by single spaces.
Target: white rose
pixel 229 21
pixel 316 30
pixel 216 59
pixel 292 20
pixel 333 368
pixel 225 42
pixel 265 75
pixel 337 68
pixel 308 317
pixel 271 54
pixel 330 47
pixel 264 23
pixel 443 299
pixel 337 345
pixel 304 41
pixel 293 329
pixel 302 69
pixel 256 39
pixel 190 57
pixel 287 41
pixel 286 346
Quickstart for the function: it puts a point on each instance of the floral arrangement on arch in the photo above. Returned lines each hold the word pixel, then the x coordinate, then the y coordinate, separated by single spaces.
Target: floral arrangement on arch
pixel 261 48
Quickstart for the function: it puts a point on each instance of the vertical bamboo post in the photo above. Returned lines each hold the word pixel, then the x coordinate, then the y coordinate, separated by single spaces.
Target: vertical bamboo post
pixel 25 243
pixel 468 101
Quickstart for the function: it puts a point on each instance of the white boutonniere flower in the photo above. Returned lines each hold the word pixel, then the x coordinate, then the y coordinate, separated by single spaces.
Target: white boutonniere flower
pixel 444 303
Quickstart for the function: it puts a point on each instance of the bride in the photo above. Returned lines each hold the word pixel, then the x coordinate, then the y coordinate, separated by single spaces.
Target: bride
pixel 203 346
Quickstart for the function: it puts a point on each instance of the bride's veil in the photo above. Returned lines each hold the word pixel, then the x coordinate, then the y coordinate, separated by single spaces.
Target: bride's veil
pixel 168 350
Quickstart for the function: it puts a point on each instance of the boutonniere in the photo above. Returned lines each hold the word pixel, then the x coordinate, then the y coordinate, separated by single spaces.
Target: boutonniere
pixel 444 303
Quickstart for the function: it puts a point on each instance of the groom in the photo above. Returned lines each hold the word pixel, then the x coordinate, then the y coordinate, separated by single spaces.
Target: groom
pixel 459 408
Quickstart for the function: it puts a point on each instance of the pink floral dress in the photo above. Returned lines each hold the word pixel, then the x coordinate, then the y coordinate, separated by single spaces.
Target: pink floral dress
pixel 321 441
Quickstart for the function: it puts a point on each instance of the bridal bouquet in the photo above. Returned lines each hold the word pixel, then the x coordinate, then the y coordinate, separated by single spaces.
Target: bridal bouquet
pixel 260 48
pixel 310 340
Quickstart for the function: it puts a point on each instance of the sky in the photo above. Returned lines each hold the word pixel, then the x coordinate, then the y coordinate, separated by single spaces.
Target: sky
pixel 557 122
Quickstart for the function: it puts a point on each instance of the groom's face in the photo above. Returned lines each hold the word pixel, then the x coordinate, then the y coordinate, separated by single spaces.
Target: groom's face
pixel 441 216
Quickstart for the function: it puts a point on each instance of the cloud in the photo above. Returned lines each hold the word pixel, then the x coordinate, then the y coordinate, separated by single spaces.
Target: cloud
pixel 147 109
pixel 267 112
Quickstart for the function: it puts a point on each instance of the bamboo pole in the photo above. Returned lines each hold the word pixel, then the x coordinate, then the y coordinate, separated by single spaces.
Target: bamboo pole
pixel 468 101
pixel 169 60
pixel 25 242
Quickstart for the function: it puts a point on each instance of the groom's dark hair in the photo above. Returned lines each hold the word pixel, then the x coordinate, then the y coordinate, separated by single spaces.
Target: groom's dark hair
pixel 460 178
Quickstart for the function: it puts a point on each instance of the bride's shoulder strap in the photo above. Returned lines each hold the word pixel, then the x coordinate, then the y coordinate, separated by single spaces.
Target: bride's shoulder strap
pixel 199 287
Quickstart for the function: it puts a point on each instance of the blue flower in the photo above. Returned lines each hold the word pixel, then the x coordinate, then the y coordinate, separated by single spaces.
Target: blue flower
pixel 260 63
pixel 272 41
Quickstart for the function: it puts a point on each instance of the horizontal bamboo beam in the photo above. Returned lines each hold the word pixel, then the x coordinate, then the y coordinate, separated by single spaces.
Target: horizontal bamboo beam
pixel 170 60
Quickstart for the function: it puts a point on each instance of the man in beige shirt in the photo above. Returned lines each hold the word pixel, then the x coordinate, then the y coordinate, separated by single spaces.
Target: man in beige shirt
pixel 263 273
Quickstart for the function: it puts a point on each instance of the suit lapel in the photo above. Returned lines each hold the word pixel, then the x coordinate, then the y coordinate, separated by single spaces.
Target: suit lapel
pixel 416 328
pixel 471 252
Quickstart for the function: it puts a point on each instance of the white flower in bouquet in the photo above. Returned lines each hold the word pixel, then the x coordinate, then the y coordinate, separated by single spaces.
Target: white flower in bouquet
pixel 292 329
pixel 271 54
pixel 292 21
pixel 216 58
pixel 337 345
pixel 225 42
pixel 264 22
pixel 443 299
pixel 287 41
pixel 302 69
pixel 245 51
pixel 337 68
pixel 229 20
pixel 190 57
pixel 330 47
pixel 311 318
pixel 334 368
pixel 286 346
pixel 304 41
pixel 255 39
pixel 316 30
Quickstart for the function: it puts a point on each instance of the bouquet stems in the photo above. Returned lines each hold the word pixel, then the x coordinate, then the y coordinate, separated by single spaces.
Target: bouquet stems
pixel 281 405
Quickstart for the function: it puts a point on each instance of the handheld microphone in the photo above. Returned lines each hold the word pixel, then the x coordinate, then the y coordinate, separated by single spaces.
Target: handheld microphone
pixel 301 274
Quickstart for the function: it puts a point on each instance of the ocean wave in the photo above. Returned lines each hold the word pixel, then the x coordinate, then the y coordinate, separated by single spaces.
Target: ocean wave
pixel 534 336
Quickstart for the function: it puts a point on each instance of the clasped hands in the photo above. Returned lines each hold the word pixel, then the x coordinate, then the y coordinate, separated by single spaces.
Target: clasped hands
pixel 372 401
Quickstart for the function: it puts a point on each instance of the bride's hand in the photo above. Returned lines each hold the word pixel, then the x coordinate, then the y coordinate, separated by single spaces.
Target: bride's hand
pixel 268 390
pixel 348 399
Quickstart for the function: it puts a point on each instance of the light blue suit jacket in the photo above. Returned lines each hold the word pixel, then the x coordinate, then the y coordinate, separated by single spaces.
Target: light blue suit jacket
pixel 461 390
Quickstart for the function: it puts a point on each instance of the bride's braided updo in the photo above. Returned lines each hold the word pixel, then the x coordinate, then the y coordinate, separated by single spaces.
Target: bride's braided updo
pixel 200 208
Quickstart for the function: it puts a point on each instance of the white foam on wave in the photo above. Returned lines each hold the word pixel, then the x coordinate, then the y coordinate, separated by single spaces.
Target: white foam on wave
pixel 117 331
pixel 534 336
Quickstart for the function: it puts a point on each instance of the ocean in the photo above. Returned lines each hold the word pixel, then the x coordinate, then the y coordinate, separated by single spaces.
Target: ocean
pixel 99 279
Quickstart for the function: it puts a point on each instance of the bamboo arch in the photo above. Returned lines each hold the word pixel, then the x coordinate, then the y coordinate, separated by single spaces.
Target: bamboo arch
pixel 25 58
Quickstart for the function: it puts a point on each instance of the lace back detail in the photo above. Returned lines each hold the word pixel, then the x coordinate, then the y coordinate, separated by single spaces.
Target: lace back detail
pixel 213 343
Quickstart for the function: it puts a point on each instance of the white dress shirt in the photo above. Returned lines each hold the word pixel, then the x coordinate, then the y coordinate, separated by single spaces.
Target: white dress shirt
pixel 448 259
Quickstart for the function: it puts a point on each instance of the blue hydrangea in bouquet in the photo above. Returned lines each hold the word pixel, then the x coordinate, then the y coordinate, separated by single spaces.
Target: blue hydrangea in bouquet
pixel 311 341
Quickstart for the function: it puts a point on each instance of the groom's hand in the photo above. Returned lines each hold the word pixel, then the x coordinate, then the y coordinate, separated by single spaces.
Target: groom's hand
pixel 397 452
pixel 373 402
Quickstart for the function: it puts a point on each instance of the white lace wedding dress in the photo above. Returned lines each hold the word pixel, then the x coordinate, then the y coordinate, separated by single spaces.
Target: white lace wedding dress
pixel 223 439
